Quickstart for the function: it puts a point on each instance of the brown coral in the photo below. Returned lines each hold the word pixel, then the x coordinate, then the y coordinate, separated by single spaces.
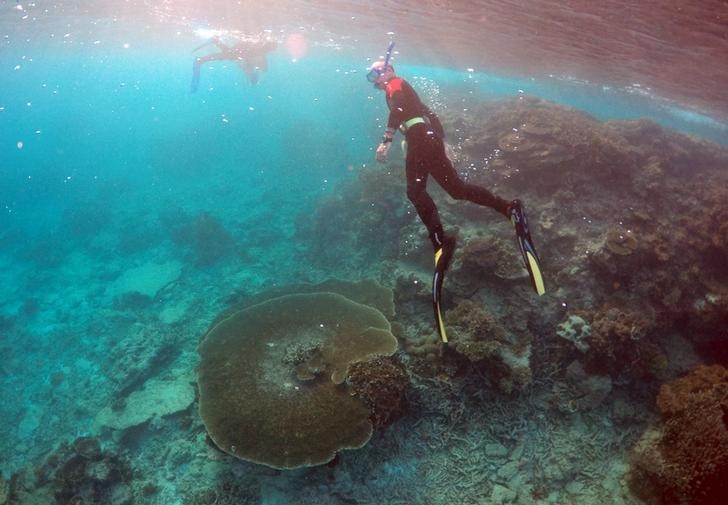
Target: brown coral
pixel 481 339
pixel 622 342
pixel 381 382
pixel 685 458
pixel 486 257
pixel 621 242
pixel 262 402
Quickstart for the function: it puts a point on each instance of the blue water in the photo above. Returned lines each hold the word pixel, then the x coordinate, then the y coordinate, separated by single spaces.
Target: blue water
pixel 89 124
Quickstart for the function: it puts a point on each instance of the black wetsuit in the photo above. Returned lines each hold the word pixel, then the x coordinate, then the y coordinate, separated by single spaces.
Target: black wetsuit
pixel 426 156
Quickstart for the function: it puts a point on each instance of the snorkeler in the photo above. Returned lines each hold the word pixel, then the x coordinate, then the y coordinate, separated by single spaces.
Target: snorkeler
pixel 250 55
pixel 426 156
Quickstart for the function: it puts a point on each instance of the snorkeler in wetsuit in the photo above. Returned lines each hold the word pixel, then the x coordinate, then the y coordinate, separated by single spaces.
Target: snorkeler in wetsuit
pixel 426 156
pixel 249 54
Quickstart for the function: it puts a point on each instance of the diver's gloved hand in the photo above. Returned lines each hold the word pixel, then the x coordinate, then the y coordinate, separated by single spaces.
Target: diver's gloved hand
pixel 382 151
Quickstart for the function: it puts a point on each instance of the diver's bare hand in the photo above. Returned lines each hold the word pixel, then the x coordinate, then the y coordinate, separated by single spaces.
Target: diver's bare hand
pixel 382 151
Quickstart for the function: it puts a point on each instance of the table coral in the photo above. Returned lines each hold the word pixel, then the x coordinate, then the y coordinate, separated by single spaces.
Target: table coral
pixel 684 458
pixel 264 403
pixel 364 291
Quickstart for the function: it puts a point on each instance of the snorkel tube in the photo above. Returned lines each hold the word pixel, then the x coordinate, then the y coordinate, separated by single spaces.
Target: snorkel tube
pixel 388 54
pixel 375 71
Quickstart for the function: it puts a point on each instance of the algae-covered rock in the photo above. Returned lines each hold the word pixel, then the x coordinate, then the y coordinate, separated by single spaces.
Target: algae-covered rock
pixel 271 378
pixel 147 279
pixel 158 398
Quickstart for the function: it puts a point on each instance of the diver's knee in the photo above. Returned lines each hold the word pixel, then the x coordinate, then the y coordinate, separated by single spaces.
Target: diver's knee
pixel 457 191
pixel 415 194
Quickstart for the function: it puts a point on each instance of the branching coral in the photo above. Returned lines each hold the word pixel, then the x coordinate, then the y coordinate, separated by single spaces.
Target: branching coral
pixel 264 402
pixel 684 459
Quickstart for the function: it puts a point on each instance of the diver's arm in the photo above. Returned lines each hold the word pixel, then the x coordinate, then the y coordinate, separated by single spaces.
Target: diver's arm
pixel 383 148
pixel 224 48
pixel 211 57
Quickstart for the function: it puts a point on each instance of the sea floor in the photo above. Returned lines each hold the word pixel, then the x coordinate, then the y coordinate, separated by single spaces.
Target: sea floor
pixel 99 342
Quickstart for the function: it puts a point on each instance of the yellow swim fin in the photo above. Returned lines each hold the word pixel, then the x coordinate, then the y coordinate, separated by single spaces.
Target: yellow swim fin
pixel 443 255
pixel 528 251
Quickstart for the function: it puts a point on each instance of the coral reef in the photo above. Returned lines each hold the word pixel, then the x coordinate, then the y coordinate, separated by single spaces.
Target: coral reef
pixel 580 391
pixel 622 342
pixel 486 259
pixel 203 234
pixel 78 473
pixel 381 382
pixel 360 224
pixel 545 146
pixel 535 400
pixel 364 291
pixel 271 378
pixel 137 357
pixel 146 280
pixel 684 458
pixel 576 330
pixel 227 489
pixel 482 340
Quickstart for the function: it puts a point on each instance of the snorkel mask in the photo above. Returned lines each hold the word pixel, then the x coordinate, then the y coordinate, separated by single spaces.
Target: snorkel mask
pixel 377 70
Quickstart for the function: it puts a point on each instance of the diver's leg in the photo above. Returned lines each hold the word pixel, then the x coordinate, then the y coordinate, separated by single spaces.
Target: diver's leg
pixel 442 245
pixel 197 65
pixel 446 176
pixel 195 75
pixel 251 72
pixel 417 194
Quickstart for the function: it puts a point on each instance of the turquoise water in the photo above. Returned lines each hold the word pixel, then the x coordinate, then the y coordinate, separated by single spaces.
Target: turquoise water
pixel 105 157
pixel 91 124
